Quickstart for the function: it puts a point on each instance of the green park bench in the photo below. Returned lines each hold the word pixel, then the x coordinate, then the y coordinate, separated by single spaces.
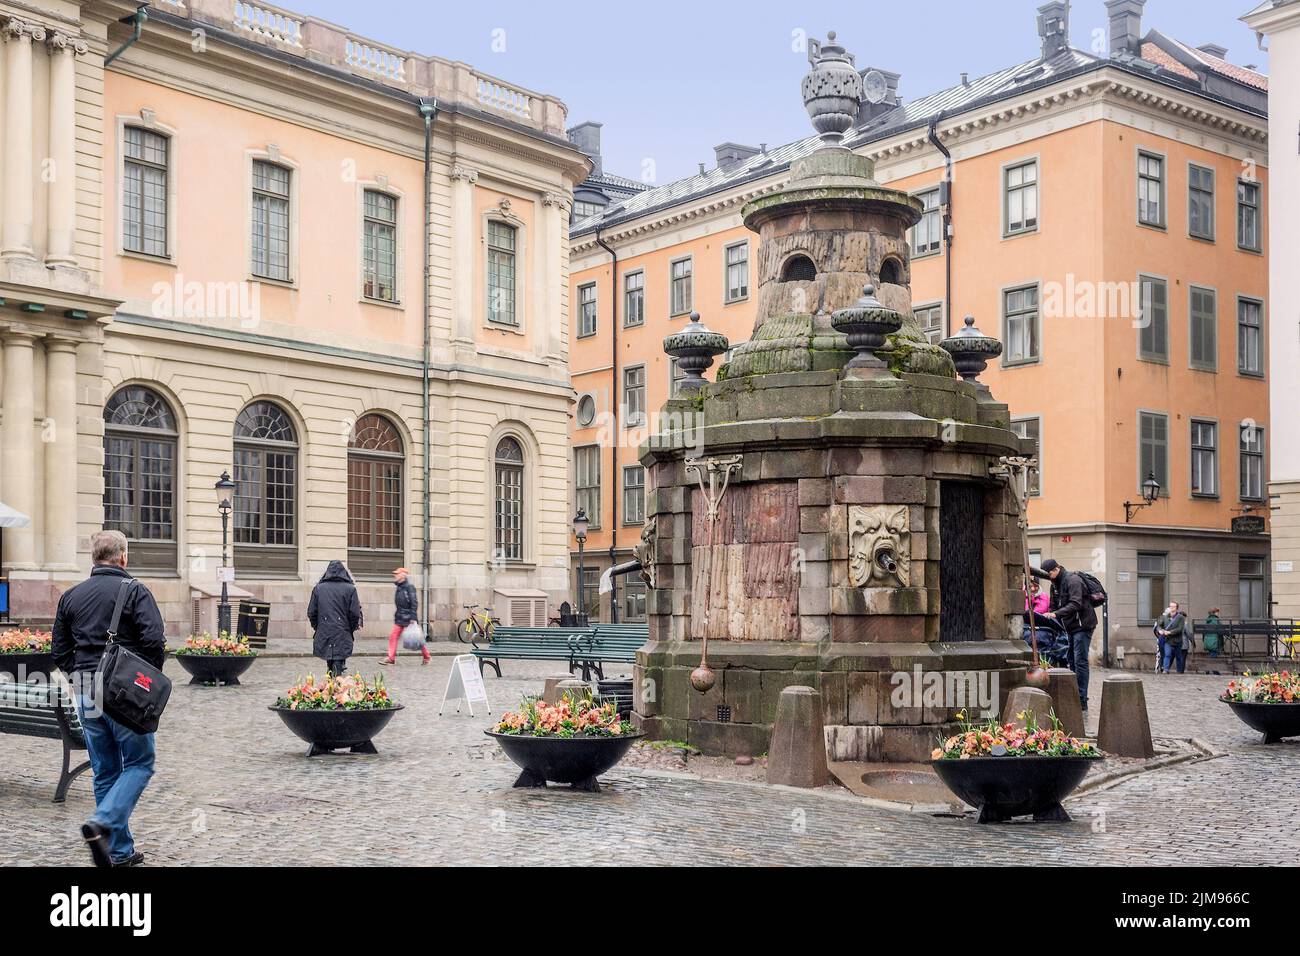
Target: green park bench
pixel 45 709
pixel 608 644
pixel 527 644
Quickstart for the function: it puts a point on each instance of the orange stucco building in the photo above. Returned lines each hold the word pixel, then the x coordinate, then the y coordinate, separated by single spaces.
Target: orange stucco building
pixel 1107 224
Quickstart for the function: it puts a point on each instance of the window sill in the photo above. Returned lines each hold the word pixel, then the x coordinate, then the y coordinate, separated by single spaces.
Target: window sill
pixel 631 325
pixel 166 260
pixel 586 335
pixel 1156 226
pixel 1212 369
pixel 1153 360
pixel 291 284
pixel 677 315
pixel 1252 251
pixel 382 303
pixel 505 327
pixel 1208 240
pixel 1019 234
pixel 1023 362
pixel 512 565
pixel 1196 496
pixel 735 301
pixel 1257 376
pixel 932 254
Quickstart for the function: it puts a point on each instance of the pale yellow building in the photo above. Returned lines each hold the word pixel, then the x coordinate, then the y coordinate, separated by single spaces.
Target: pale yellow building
pixel 257 263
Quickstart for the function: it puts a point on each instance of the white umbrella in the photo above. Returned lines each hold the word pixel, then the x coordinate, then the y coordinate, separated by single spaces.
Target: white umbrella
pixel 9 518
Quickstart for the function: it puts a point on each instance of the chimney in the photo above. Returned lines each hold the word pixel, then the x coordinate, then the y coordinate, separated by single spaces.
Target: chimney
pixel 586 136
pixel 729 154
pixel 1213 49
pixel 1125 26
pixel 879 93
pixel 1054 28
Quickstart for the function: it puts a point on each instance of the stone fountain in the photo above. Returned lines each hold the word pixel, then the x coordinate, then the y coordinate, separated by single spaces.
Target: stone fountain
pixel 835 509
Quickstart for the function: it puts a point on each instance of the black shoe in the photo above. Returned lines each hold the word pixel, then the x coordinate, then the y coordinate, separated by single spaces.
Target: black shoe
pixel 96 838
pixel 135 859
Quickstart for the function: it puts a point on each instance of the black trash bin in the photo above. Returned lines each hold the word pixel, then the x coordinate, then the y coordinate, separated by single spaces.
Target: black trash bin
pixel 253 619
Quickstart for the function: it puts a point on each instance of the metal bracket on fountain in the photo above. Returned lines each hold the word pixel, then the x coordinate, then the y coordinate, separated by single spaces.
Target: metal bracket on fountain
pixel 717 471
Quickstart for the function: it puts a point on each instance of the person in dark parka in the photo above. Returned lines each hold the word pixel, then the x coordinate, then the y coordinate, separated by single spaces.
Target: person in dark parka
pixel 335 615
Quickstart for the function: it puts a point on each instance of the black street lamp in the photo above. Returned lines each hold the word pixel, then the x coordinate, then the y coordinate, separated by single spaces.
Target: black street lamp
pixel 580 523
pixel 225 489
pixel 1150 492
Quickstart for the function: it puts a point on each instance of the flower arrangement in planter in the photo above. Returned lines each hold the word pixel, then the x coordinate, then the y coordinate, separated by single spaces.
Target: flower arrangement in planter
pixel 338 712
pixel 974 765
pixel 215 660
pixel 572 741
pixel 1269 703
pixel 26 652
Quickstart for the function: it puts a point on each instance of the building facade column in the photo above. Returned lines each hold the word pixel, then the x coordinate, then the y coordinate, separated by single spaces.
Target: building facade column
pixel 60 443
pixel 463 236
pixel 555 211
pixel 17 448
pixel 19 185
pixel 61 219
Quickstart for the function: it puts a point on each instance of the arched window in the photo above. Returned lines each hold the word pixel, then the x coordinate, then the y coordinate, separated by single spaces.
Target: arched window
pixel 266 472
pixel 508 500
pixel 798 268
pixel 140 475
pixel 891 271
pixel 374 496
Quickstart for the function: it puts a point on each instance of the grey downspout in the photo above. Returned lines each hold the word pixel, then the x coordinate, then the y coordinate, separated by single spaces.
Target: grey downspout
pixel 613 371
pixel 136 20
pixel 428 110
pixel 946 202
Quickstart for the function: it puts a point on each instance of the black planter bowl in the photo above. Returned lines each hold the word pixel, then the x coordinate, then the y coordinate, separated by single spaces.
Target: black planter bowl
pixel 215 668
pixel 330 730
pixel 1274 721
pixel 27 665
pixel 574 760
pixel 1005 787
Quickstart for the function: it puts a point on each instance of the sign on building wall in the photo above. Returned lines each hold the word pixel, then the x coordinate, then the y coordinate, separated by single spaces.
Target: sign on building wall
pixel 1248 524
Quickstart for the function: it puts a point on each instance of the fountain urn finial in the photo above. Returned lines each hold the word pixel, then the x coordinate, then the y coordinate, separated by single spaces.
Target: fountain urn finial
pixel 866 323
pixel 971 351
pixel 694 347
pixel 832 89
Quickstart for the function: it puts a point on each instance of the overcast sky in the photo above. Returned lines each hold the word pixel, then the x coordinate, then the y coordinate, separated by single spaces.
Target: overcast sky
pixel 671 79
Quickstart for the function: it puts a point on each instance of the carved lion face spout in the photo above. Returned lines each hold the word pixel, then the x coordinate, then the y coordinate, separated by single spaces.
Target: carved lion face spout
pixel 879 549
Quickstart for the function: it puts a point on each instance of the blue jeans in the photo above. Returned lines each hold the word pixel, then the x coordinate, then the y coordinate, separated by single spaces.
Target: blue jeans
pixel 1175 652
pixel 1079 643
pixel 122 761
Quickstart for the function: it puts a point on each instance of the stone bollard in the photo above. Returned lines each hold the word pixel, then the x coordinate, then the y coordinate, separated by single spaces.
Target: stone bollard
pixel 1029 700
pixel 1125 729
pixel 550 690
pixel 1063 685
pixel 797 756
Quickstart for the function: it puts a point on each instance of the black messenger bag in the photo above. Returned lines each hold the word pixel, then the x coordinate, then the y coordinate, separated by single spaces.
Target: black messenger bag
pixel 127 687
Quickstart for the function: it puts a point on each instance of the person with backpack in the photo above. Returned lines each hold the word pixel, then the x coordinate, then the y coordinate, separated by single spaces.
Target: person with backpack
pixel 335 615
pixel 1171 640
pixel 1072 606
pixel 122 760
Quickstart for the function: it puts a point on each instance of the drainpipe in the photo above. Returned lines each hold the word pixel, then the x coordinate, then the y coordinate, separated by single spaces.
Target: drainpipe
pixel 136 20
pixel 613 372
pixel 428 110
pixel 946 203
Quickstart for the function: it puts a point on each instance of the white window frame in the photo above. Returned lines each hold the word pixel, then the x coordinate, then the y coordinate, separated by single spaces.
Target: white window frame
pixel 627 469
pixel 146 120
pixel 275 157
pixel 595 310
pixel 626 312
pixel 1193 448
pixel 1005 191
pixel 634 419
pixel 1258 206
pixel 727 298
pixel 1243 454
pixel 1037 357
pixel 1262 340
pixel 690 306
pixel 937 212
pixel 399 264
pixel 1163 222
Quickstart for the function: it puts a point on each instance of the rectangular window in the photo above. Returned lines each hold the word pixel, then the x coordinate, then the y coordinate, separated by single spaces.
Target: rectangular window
pixel 675 377
pixel 1200 202
pixel 271 221
pixel 1153 585
pixel 1020 198
pixel 1250 337
pixel 633 599
pixel 1036 558
pixel 583 209
pixel 634 395
pixel 927 235
pixel 1153 332
pixel 1153 449
pixel 1205 459
pixel 1248 216
pixel 1252 463
pixel 1032 428
pixel 144 192
pixel 1020 325
pixel 634 495
pixel 586 465
pixel 379 246
pixel 633 299
pixel 501 273
pixel 737 277
pixel 1250 585
pixel 930 318
pixel 1203 332
pixel 1151 190
pixel 586 310
pixel 680 297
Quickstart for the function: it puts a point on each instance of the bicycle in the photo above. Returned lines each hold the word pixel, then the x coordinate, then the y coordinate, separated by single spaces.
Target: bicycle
pixel 475 627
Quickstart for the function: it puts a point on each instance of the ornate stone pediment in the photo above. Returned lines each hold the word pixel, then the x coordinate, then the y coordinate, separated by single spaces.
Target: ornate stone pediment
pixel 880 546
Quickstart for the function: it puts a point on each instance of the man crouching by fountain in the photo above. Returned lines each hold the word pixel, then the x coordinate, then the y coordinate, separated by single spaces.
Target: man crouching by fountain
pixel 121 759
pixel 1072 609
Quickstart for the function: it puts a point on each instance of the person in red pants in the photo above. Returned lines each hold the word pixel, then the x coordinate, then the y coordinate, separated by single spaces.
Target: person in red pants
pixel 408 611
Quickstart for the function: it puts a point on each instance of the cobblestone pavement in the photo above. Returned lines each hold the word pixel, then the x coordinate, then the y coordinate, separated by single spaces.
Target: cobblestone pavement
pixel 233 786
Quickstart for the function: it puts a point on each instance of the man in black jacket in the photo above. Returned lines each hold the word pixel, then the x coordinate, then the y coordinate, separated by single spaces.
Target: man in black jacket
pixel 335 614
pixel 1073 609
pixel 121 759
pixel 407 611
